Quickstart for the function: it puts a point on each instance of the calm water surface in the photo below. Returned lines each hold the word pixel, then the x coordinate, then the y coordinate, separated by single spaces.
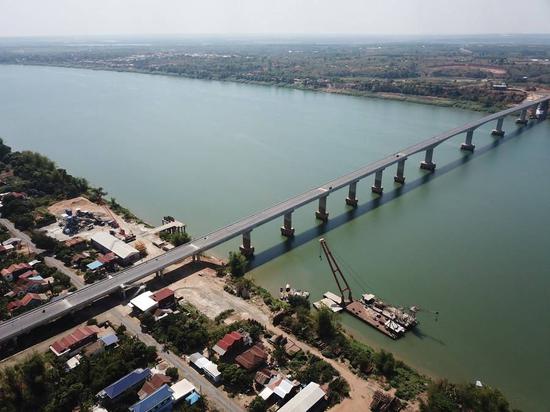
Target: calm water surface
pixel 471 241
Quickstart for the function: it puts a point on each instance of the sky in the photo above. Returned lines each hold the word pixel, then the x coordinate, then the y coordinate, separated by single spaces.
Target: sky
pixel 310 17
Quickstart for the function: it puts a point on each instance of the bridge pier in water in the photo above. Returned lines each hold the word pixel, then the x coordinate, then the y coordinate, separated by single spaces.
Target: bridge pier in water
pixel 321 212
pixel 467 145
pixel 377 186
pixel 287 229
pixel 498 130
pixel 544 110
pixel 427 164
pixel 351 200
pixel 246 248
pixel 522 117
pixel 400 175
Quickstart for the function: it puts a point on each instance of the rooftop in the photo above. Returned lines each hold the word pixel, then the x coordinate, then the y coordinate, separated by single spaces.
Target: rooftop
pixel 150 402
pixel 72 340
pixel 144 302
pixel 117 246
pixel 181 389
pixel 253 357
pixel 305 399
pixel 125 383
pixel 162 294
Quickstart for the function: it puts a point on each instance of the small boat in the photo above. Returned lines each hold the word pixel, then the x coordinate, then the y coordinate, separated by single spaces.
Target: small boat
pixel 287 292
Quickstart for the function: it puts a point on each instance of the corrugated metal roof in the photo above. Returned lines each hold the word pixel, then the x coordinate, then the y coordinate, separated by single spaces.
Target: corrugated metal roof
pixel 126 382
pixel 117 246
pixel 305 399
pixel 156 398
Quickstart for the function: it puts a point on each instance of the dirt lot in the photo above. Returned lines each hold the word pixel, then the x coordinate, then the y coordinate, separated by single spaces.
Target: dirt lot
pixel 143 233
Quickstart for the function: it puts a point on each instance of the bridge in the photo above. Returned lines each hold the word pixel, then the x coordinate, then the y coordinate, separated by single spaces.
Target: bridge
pixel 44 314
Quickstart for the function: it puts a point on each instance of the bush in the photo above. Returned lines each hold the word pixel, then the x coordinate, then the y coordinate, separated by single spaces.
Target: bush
pixel 257 405
pixel 173 374
pixel 237 263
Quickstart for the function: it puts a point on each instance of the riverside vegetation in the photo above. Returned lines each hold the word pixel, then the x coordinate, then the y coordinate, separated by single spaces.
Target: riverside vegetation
pixel 456 72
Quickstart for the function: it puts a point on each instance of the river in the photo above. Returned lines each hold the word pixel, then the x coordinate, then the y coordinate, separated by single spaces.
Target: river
pixel 470 241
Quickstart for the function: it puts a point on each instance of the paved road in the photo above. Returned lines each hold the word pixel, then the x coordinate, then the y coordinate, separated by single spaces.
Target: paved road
pixel 21 235
pixel 50 261
pixel 87 295
pixel 216 396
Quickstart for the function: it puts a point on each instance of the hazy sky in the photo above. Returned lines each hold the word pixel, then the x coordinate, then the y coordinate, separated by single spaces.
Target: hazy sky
pixel 83 17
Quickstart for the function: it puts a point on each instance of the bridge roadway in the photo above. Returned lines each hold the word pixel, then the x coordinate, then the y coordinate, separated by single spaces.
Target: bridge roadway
pixel 83 297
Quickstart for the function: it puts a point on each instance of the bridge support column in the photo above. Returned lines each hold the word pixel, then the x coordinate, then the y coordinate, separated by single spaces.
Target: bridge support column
pixel 246 248
pixel 498 130
pixel 400 175
pixel 351 200
pixel 544 110
pixel 377 186
pixel 287 229
pixel 522 117
pixel 321 212
pixel 467 145
pixel 159 273
pixel 427 164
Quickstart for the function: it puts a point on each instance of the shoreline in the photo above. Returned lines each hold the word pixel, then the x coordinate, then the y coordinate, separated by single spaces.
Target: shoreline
pixel 417 99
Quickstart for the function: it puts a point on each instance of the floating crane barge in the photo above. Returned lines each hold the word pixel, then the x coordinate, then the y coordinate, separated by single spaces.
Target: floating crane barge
pixel 391 321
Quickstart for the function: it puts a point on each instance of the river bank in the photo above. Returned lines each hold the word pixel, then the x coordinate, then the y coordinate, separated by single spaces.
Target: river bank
pixel 427 100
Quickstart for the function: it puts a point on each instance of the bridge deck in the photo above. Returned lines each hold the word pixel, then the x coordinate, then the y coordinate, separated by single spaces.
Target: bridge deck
pixel 85 296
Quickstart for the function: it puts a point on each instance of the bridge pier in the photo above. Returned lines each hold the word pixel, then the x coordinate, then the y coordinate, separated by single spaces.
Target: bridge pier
pixel 467 145
pixel 498 130
pixel 351 200
pixel 287 230
pixel 321 212
pixel 159 273
pixel 400 175
pixel 377 186
pixel 544 110
pixel 427 164
pixel 522 117
pixel 246 248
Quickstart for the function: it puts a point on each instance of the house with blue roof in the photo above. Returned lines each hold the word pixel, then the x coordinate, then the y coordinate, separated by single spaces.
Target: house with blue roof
pixel 109 340
pixel 160 400
pixel 132 380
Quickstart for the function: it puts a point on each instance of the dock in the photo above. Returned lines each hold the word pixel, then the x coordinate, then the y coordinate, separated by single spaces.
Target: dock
pixel 328 303
pixel 364 313
pixel 371 317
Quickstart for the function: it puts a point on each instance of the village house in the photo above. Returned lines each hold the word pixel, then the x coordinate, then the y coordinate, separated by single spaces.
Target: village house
pixel 74 341
pixel 252 358
pixel 12 272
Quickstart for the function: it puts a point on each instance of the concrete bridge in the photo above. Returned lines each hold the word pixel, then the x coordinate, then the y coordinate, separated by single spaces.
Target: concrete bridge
pixel 83 297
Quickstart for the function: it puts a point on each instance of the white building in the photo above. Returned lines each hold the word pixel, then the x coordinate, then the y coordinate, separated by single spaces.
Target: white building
pixel 144 302
pixel 108 243
pixel 305 400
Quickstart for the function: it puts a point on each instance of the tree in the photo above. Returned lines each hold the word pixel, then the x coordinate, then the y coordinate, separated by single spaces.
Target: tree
pixel 257 405
pixel 385 363
pixel 43 241
pixel 325 324
pixel 237 263
pixel 235 378
pixel 4 150
pixel 172 373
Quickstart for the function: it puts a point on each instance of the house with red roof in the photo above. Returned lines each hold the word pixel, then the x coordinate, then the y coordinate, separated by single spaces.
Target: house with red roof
pixel 164 297
pixel 152 384
pixel 230 342
pixel 29 301
pixel 252 358
pixel 75 340
pixel 12 272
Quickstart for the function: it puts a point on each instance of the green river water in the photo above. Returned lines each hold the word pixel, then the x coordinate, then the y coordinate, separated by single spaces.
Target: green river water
pixel 470 241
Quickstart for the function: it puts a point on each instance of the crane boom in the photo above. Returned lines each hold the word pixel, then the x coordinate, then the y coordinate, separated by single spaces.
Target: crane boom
pixel 337 273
